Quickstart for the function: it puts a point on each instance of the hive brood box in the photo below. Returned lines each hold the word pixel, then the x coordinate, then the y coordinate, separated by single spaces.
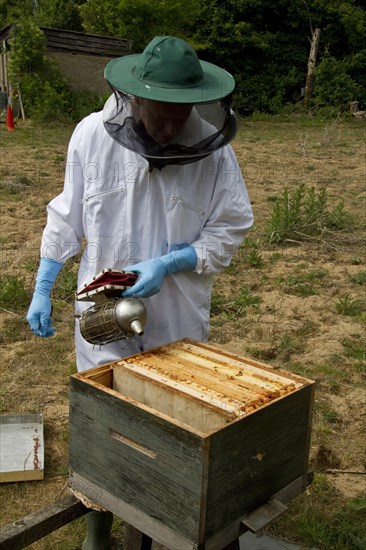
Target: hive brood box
pixel 183 440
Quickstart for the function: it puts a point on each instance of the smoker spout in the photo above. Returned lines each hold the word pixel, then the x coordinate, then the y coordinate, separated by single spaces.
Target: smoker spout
pixel 137 327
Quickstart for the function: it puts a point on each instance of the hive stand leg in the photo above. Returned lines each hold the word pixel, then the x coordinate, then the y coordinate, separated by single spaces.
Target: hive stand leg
pixel 235 545
pixel 135 539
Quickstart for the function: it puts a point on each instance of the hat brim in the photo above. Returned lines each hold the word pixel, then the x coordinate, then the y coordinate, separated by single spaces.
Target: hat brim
pixel 216 83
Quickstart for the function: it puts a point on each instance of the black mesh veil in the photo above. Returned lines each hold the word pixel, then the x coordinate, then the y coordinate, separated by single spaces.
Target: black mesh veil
pixel 209 127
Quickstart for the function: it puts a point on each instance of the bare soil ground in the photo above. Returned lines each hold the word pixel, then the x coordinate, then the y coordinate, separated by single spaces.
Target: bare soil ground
pixel 309 317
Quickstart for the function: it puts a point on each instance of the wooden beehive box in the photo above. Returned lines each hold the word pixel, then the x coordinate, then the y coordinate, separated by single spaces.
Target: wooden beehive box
pixel 182 441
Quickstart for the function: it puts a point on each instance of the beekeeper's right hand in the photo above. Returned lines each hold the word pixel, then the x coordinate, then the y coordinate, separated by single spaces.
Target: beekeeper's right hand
pixel 153 272
pixel 39 313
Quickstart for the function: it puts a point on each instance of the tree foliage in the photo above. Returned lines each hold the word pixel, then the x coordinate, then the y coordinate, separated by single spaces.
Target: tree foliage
pixel 264 44
pixel 141 20
pixel 60 14
pixel 341 72
pixel 334 83
pixel 270 44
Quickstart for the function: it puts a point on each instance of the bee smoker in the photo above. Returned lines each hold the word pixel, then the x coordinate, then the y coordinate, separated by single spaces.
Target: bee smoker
pixel 112 317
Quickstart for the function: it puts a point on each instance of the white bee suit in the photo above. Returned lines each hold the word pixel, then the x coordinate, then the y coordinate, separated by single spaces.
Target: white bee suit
pixel 122 213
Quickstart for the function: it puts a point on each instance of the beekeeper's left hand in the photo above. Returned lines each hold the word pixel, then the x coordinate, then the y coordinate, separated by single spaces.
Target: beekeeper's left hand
pixel 39 312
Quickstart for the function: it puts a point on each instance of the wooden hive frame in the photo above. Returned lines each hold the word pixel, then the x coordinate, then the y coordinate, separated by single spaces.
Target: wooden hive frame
pixel 217 385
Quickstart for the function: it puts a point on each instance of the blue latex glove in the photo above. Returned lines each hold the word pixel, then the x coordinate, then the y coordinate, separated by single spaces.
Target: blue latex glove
pixel 153 272
pixel 39 312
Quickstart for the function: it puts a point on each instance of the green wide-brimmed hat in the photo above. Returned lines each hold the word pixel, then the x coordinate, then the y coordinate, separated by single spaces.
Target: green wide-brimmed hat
pixel 169 70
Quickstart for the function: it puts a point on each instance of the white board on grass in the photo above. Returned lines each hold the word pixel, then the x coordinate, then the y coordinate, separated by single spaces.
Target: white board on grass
pixel 21 447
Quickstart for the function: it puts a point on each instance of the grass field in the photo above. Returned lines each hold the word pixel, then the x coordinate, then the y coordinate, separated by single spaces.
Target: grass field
pixel 294 297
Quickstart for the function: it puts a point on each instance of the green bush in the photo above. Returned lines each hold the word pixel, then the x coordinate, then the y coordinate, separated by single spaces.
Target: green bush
pixel 46 93
pixel 334 85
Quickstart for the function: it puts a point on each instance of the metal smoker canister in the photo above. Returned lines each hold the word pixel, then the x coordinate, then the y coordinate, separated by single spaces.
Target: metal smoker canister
pixel 114 319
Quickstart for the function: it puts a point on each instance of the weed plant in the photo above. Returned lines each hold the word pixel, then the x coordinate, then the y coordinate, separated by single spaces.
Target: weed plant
pixel 14 330
pixel 355 348
pixel 13 293
pixel 66 285
pixel 235 307
pixel 248 254
pixel 287 345
pixel 347 305
pixel 359 278
pixel 296 285
pixel 253 256
pixel 302 284
pixel 217 302
pixel 303 213
pixel 316 519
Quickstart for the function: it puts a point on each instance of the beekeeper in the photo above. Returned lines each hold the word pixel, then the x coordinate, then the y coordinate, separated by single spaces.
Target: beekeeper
pixel 152 185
